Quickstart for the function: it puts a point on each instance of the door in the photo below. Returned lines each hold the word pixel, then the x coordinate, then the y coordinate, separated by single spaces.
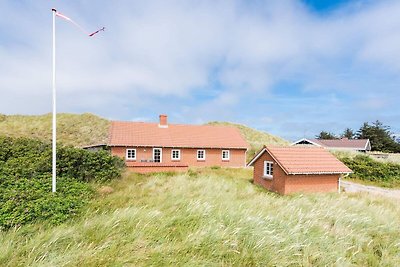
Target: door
pixel 157 154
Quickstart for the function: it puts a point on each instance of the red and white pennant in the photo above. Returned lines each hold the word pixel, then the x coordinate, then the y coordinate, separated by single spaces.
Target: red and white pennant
pixel 58 14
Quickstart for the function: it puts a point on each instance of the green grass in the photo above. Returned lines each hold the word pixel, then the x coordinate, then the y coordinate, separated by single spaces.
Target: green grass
pixel 256 139
pixel 212 217
pixel 72 129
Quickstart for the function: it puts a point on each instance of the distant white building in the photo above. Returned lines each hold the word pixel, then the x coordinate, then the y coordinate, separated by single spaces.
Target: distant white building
pixel 362 145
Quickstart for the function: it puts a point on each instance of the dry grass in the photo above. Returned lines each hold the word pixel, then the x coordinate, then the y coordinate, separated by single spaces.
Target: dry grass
pixel 256 139
pixel 213 218
pixel 382 157
pixel 72 129
pixel 88 129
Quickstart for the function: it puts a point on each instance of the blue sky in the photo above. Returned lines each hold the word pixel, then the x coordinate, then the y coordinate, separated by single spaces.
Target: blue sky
pixel 289 67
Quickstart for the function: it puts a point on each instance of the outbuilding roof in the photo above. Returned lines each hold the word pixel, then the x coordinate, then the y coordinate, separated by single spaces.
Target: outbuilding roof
pixel 175 135
pixel 304 160
pixel 356 144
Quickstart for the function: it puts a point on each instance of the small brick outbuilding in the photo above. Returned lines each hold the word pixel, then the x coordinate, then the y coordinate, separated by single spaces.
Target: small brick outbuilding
pixel 293 169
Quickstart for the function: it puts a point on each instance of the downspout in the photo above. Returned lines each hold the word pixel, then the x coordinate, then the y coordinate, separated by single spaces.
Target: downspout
pixel 339 182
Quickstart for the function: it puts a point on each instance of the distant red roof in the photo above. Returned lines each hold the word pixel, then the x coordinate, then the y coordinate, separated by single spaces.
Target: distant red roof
pixel 175 135
pixel 355 144
pixel 304 160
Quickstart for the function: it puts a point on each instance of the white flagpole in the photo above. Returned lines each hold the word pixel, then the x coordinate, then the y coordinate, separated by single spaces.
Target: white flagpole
pixel 54 139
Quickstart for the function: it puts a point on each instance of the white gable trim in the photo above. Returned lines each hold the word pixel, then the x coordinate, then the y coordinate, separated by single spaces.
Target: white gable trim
pixel 256 157
pixel 272 156
pixel 366 145
pixel 307 140
pixel 284 169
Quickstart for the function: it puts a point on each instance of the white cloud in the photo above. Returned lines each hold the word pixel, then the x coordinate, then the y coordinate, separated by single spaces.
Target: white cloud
pixel 154 49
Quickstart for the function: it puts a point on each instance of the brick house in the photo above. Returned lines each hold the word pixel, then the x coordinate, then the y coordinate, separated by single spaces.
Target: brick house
pixel 361 145
pixel 152 147
pixel 293 169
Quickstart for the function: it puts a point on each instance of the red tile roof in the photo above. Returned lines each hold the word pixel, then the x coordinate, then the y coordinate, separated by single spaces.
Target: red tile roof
pixel 175 135
pixel 304 160
pixel 357 144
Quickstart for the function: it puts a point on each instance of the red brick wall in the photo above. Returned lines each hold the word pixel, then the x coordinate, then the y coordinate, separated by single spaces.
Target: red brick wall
pixel 142 169
pixel 312 183
pixel 286 184
pixel 189 156
pixel 277 184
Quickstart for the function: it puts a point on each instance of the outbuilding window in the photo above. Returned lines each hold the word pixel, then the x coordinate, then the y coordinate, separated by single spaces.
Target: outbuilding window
pixel 131 154
pixel 175 154
pixel 201 154
pixel 268 169
pixel 225 154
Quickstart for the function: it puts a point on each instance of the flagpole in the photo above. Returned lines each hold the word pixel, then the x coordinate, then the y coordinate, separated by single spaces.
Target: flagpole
pixel 54 139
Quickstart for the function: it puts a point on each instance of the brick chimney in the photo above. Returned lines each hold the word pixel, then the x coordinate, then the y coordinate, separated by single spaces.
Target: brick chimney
pixel 163 121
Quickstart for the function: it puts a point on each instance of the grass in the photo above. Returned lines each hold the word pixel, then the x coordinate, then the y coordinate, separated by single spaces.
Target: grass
pixel 389 157
pixel 212 217
pixel 89 129
pixel 72 129
pixel 256 139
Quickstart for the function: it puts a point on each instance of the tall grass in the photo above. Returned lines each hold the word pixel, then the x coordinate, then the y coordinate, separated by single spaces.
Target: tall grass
pixel 213 217
pixel 72 129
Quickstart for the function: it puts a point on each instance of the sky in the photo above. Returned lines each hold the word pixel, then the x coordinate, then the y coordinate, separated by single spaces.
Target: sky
pixel 289 67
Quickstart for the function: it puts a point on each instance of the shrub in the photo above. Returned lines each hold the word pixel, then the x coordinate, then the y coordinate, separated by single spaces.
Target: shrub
pixel 25 180
pixel 365 168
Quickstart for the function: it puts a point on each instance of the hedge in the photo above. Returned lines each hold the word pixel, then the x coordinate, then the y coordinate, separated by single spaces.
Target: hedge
pixel 365 168
pixel 25 180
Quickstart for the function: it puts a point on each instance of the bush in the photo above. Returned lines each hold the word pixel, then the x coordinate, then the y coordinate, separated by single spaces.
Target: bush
pixel 25 180
pixel 365 168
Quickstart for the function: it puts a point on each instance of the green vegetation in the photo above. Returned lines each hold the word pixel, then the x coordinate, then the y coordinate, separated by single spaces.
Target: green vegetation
pixel 88 129
pixel 25 180
pixel 72 129
pixel 367 169
pixel 212 218
pixel 326 135
pixel 379 136
pixel 256 139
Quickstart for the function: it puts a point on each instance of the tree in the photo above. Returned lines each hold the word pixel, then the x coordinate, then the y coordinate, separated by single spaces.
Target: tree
pixel 348 133
pixel 379 136
pixel 325 135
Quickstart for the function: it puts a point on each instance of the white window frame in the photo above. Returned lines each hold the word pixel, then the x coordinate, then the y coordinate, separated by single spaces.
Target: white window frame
pixel 204 154
pixel 127 153
pixel 270 174
pixel 179 154
pixel 229 154
pixel 160 154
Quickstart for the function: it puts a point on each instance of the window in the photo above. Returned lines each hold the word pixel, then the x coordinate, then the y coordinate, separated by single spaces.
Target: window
pixel 201 154
pixel 131 154
pixel 175 154
pixel 225 154
pixel 157 154
pixel 268 169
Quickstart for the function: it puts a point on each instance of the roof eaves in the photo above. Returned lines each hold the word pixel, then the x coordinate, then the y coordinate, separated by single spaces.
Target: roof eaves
pixel 311 173
pixel 169 146
pixel 277 161
pixel 262 150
